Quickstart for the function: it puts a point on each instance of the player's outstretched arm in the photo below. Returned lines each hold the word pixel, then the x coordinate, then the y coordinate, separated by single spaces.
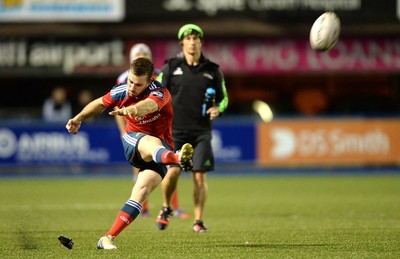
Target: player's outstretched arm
pixel 140 109
pixel 93 108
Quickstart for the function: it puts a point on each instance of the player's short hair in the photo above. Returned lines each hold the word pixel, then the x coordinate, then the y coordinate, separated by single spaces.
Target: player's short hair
pixel 141 67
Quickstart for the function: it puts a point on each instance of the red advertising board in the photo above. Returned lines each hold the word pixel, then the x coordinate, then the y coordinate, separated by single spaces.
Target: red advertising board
pixel 294 55
pixel 329 142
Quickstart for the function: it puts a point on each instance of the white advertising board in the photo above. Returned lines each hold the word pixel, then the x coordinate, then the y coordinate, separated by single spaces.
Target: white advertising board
pixel 62 10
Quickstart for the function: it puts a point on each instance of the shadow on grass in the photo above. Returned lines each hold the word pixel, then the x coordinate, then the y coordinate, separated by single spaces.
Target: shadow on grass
pixel 26 240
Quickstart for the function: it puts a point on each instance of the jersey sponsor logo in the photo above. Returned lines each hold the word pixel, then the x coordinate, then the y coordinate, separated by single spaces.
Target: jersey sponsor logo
pixel 208 76
pixel 142 120
pixel 177 71
pixel 159 94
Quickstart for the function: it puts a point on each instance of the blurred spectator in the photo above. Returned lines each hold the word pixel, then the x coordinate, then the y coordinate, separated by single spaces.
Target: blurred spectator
pixel 85 96
pixel 57 108
pixel 139 50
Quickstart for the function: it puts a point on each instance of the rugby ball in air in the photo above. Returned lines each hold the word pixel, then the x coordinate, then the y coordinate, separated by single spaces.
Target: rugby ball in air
pixel 325 32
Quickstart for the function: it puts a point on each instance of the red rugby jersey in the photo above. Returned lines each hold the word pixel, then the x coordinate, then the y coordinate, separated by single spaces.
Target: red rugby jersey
pixel 159 123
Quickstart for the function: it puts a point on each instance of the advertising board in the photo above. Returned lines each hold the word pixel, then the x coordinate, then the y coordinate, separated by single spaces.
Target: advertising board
pixel 333 142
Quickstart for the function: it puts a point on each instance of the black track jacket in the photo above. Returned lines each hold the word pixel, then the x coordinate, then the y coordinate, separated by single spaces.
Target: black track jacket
pixel 188 85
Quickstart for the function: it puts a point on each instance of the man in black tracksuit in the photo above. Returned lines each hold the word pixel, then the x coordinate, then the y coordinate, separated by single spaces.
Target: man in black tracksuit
pixel 189 76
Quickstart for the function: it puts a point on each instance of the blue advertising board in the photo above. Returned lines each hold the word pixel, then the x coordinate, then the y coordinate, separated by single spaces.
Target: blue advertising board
pixel 53 145
pixel 100 144
pixel 234 143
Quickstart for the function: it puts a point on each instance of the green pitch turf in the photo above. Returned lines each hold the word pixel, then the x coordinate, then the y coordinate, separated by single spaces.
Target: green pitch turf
pixel 248 217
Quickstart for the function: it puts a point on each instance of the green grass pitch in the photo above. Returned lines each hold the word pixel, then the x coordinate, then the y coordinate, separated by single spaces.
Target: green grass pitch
pixel 248 217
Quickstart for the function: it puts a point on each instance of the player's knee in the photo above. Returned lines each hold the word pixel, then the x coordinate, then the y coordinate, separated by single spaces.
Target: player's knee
pixel 199 177
pixel 173 172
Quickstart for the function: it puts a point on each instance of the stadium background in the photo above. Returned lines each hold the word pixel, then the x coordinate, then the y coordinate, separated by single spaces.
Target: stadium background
pixel 332 110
